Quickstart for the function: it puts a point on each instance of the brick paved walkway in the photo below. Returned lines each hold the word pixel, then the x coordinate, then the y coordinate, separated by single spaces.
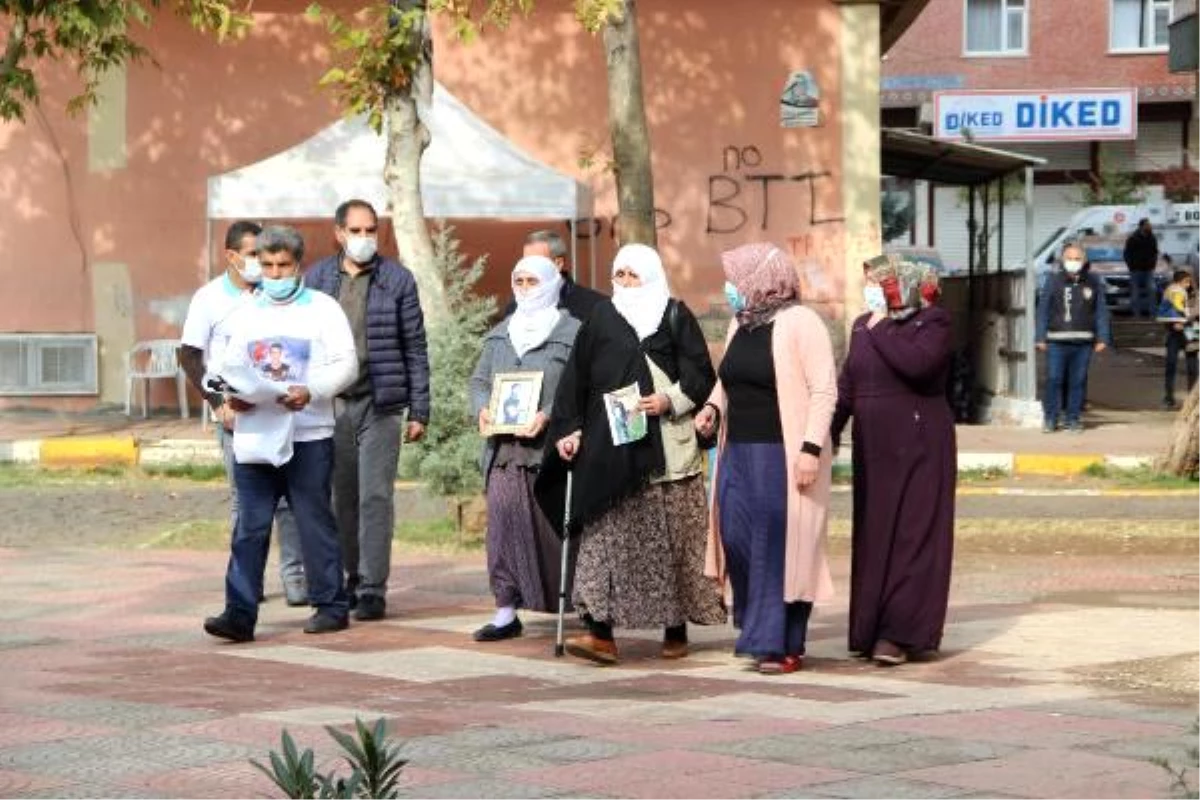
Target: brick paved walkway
pixel 1061 678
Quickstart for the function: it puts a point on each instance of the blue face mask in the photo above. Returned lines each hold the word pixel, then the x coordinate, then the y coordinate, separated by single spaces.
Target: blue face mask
pixel 735 299
pixel 875 299
pixel 279 288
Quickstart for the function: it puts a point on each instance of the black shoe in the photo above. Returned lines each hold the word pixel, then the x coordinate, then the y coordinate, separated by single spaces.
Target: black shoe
pixel 1169 404
pixel 225 628
pixel 352 591
pixel 490 633
pixel 370 607
pixel 323 622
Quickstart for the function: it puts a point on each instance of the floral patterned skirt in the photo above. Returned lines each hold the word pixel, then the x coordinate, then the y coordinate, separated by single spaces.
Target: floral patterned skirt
pixel 641 564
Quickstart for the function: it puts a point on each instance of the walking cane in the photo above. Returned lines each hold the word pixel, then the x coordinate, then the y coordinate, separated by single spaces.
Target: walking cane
pixel 562 578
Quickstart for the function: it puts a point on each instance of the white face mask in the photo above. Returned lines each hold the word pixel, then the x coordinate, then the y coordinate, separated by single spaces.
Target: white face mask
pixel 361 249
pixel 875 299
pixel 1073 266
pixel 251 270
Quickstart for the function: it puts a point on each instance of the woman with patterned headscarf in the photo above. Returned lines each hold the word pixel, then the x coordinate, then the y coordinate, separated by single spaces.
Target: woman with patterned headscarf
pixel 893 384
pixel 638 496
pixel 774 401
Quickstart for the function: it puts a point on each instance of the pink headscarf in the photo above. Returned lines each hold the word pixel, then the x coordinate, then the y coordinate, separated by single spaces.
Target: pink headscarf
pixel 766 276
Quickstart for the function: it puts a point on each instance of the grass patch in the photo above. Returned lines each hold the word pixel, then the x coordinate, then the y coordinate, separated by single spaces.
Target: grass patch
pixel 438 534
pixel 204 473
pixel 205 534
pixel 982 475
pixel 1138 476
pixel 21 475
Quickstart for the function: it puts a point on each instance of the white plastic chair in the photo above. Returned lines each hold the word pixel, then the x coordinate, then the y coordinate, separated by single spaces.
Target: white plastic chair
pixel 146 361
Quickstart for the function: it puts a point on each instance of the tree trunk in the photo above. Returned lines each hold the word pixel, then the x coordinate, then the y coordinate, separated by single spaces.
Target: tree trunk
pixel 1183 454
pixel 627 126
pixel 407 138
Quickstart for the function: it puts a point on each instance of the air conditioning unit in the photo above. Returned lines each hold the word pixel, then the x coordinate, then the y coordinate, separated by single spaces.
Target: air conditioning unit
pixel 48 364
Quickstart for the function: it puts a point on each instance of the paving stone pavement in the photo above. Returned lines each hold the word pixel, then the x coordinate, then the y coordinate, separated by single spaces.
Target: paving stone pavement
pixel 1059 678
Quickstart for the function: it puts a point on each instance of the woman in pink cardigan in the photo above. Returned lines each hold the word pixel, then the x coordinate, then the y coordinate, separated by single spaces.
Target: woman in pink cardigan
pixel 774 401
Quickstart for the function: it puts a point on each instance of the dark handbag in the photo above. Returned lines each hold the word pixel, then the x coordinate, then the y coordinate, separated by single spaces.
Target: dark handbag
pixel 705 443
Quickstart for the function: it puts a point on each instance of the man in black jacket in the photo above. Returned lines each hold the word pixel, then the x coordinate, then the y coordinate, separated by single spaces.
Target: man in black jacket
pixel 1141 256
pixel 576 300
pixel 380 299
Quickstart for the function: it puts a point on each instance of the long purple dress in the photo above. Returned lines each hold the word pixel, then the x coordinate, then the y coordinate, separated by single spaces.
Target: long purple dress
pixel 893 385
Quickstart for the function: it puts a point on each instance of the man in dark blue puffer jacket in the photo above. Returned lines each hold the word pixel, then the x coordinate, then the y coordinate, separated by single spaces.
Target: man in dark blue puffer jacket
pixel 380 299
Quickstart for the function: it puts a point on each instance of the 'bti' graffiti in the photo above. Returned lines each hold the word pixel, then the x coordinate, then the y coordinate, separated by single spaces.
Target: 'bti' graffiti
pixel 726 212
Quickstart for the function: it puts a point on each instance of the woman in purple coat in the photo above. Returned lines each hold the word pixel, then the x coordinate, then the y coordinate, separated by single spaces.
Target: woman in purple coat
pixel 893 384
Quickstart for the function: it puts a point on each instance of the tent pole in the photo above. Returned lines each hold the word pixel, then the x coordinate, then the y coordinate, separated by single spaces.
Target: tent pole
pixel 573 227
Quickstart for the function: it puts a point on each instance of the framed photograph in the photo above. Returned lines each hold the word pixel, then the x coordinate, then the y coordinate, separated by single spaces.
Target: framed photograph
pixel 514 402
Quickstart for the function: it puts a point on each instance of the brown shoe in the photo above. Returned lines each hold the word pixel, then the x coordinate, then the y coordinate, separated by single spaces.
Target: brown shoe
pixel 889 654
pixel 599 651
pixel 673 650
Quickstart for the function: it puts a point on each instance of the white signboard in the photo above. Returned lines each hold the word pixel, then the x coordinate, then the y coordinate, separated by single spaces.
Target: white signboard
pixel 1079 114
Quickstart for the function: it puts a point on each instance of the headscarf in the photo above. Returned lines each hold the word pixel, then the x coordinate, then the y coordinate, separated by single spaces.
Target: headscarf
pixel 901 280
pixel 766 277
pixel 537 312
pixel 641 306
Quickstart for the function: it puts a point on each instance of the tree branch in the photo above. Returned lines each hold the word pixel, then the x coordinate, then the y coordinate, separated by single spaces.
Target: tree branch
pixel 15 48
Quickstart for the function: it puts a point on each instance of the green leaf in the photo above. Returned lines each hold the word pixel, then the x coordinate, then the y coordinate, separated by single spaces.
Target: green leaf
pixel 334 75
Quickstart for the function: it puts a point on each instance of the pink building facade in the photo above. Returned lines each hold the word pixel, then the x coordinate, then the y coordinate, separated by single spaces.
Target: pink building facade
pixel 106 232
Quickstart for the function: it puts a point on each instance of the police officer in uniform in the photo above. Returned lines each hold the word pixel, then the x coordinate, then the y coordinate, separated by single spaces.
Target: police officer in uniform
pixel 1072 323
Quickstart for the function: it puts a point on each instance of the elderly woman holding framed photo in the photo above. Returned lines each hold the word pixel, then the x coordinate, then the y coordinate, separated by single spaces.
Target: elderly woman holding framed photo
pixel 623 423
pixel 522 355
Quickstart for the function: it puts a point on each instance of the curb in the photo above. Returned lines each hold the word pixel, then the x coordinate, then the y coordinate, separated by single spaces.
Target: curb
pixel 79 451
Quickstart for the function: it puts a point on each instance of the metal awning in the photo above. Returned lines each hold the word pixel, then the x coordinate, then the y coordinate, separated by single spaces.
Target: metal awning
pixel 916 156
pixel 907 154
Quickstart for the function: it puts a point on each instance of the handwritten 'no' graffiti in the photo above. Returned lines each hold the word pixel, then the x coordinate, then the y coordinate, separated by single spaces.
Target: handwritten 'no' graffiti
pixel 729 192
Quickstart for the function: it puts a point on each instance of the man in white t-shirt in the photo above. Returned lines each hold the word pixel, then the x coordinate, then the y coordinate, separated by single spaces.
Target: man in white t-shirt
pixel 310 332
pixel 205 334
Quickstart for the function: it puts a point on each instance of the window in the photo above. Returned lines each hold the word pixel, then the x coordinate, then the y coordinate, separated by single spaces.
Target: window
pixel 1140 24
pixel 996 26
pixel 47 364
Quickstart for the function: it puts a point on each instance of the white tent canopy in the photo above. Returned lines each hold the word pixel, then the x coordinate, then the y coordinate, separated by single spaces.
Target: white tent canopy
pixel 469 171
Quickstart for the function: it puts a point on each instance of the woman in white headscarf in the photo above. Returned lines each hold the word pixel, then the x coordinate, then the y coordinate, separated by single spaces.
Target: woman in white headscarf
pixel 524 552
pixel 638 493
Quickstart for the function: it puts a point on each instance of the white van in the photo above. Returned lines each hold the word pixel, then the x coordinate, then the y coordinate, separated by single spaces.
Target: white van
pixel 1175 226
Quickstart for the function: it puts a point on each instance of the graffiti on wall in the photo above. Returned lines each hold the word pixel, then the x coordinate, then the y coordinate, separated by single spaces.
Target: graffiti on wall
pixel 740 195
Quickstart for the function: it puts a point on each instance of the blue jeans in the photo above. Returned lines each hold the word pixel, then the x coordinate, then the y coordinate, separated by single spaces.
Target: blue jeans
pixel 1066 363
pixel 291 560
pixel 1176 344
pixel 1141 293
pixel 306 482
pixel 752 490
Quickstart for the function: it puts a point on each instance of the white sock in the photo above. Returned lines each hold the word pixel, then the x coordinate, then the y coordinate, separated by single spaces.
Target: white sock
pixel 504 616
